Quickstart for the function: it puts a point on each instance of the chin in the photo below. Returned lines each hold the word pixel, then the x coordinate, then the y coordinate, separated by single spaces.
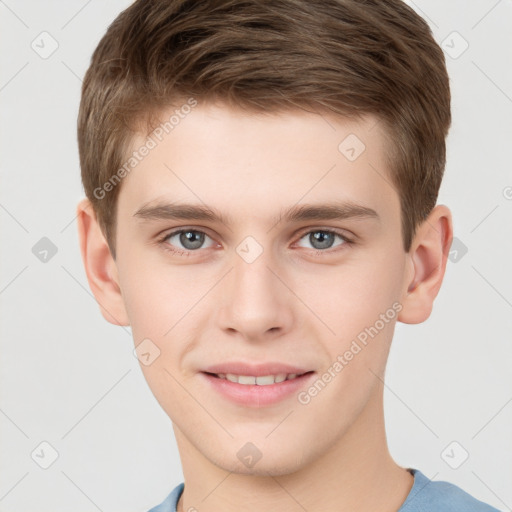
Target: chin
pixel 274 463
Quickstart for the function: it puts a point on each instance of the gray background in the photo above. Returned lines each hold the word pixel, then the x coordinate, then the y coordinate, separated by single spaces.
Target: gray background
pixel 70 379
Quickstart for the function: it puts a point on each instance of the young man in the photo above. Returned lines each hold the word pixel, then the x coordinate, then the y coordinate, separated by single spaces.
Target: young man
pixel 261 183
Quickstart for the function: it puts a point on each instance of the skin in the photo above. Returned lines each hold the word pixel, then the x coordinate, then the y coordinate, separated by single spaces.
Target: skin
pixel 295 303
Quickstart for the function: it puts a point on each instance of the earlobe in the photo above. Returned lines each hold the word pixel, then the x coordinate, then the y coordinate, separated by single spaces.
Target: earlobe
pixel 427 264
pixel 100 266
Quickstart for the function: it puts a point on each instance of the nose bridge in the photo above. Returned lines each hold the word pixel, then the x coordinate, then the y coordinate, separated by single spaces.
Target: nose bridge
pixel 255 300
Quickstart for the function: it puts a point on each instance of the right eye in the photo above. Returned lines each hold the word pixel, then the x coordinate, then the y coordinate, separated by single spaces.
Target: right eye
pixel 189 240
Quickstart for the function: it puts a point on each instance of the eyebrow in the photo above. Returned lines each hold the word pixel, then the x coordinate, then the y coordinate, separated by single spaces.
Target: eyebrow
pixel 297 213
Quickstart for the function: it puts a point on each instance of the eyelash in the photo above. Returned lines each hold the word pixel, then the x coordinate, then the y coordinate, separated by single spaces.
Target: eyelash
pixel 189 252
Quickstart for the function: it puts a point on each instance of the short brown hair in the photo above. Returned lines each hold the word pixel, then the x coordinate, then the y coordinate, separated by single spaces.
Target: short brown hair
pixel 350 57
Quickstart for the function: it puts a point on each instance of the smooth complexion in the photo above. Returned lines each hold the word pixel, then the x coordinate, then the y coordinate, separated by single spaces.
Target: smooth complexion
pixel 301 301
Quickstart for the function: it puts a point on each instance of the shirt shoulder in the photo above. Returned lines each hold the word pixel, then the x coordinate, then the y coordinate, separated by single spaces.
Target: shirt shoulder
pixel 425 496
pixel 432 496
pixel 170 503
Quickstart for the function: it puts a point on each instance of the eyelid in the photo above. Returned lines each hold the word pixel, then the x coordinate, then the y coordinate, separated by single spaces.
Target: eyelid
pixel 178 229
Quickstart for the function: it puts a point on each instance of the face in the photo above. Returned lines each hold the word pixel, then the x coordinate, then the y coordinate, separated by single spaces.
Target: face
pixel 257 245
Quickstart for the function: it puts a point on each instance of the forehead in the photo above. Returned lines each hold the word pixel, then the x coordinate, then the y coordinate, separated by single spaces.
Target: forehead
pixel 255 164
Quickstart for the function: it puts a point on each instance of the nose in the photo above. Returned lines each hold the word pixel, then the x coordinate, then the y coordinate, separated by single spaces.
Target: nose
pixel 255 300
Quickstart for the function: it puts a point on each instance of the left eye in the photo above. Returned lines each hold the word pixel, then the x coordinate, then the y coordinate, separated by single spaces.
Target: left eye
pixel 322 239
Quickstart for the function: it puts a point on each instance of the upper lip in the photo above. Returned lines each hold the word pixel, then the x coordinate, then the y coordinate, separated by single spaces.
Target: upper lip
pixel 256 370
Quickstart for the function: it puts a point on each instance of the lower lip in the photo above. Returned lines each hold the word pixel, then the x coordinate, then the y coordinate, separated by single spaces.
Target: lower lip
pixel 252 395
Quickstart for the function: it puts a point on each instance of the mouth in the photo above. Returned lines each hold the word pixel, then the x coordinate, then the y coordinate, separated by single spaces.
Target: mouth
pixel 256 391
pixel 260 380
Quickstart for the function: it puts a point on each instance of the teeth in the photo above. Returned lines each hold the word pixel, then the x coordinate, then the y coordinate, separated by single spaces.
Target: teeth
pixel 264 380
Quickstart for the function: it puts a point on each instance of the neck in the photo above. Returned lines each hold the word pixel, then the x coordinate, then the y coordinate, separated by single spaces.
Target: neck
pixel 356 473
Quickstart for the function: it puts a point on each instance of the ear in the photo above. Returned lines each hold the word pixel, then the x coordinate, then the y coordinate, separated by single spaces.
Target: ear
pixel 426 265
pixel 100 266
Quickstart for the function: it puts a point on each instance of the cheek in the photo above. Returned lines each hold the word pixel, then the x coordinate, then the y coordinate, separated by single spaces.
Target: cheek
pixel 361 307
pixel 352 296
pixel 156 295
pixel 360 304
pixel 165 314
pixel 167 305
